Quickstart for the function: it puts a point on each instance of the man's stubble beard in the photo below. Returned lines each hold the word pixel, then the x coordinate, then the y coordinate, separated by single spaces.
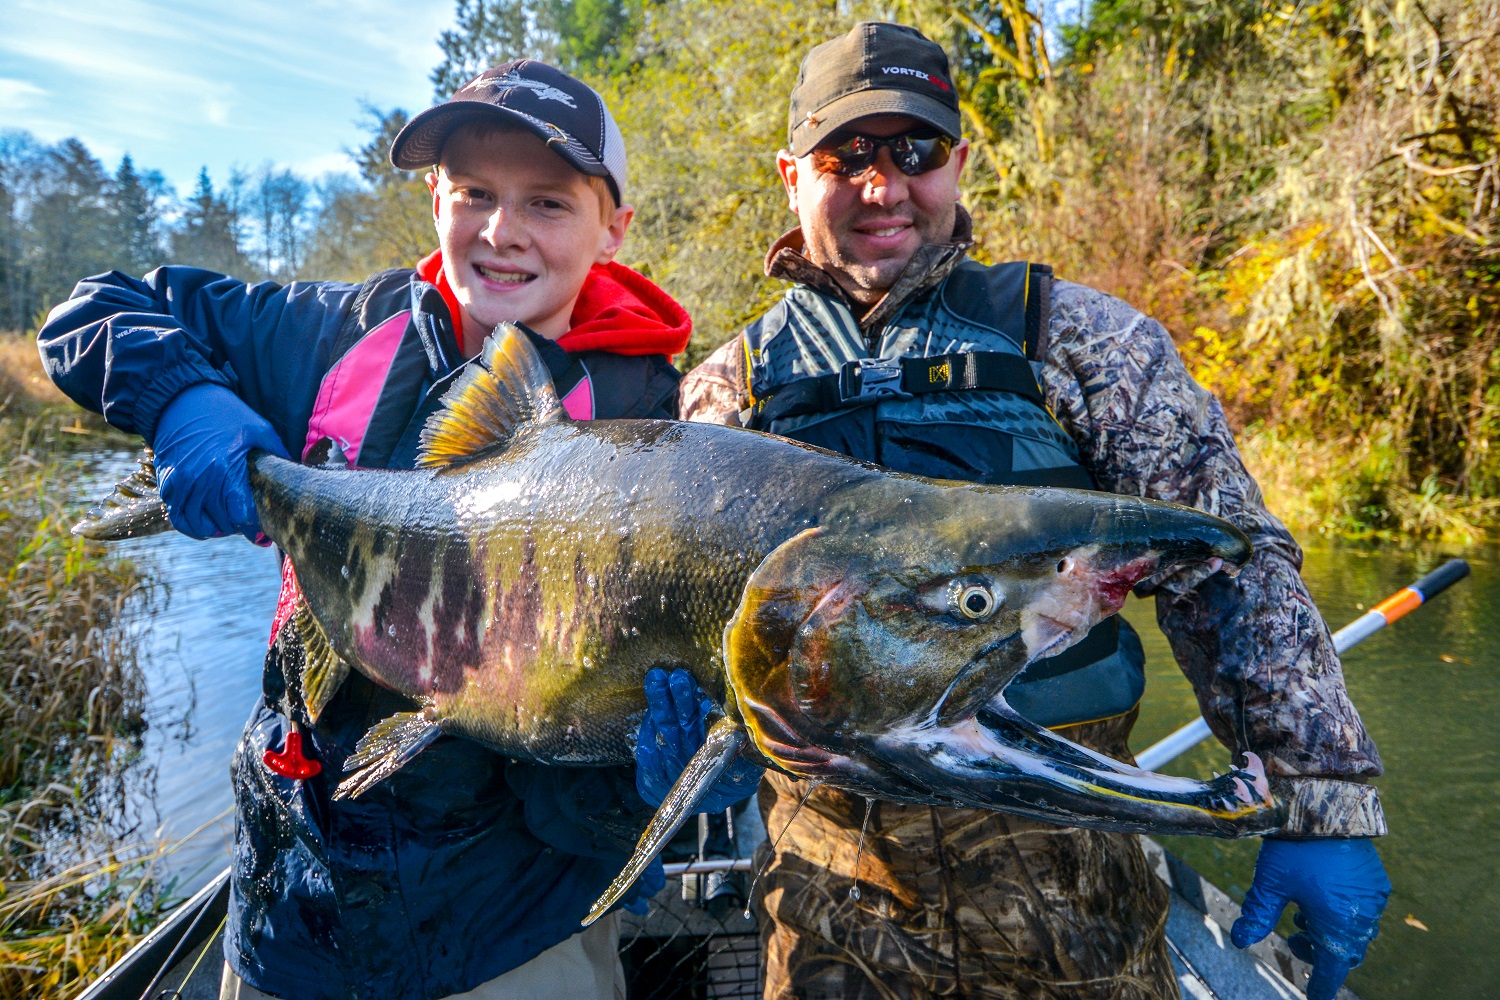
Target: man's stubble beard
pixel 867 281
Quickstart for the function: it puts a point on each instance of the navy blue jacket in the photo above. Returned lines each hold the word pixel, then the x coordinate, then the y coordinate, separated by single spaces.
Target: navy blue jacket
pixel 464 864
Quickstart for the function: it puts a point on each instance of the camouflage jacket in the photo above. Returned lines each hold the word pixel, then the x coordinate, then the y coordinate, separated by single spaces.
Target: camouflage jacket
pixel 1255 648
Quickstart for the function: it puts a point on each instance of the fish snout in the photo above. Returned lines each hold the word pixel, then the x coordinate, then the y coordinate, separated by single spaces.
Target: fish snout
pixel 1086 586
pixel 1200 546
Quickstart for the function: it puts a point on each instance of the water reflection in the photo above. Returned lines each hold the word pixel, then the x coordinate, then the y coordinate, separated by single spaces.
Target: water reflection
pixel 1428 690
pixel 201 649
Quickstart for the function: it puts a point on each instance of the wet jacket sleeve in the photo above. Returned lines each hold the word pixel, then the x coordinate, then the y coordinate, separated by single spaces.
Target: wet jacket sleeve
pixel 1255 648
pixel 710 393
pixel 594 812
pixel 124 347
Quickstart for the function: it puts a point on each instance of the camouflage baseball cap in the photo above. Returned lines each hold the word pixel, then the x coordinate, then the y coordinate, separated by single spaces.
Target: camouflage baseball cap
pixel 876 68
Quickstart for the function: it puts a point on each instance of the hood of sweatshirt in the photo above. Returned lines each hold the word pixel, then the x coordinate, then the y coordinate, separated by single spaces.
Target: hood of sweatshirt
pixel 618 310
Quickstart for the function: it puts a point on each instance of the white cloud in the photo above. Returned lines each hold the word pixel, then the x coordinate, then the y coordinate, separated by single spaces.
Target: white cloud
pixel 18 94
pixel 181 83
pixel 325 163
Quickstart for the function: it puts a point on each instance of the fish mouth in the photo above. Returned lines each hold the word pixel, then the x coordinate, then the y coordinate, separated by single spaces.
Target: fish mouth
pixel 1060 636
pixel 996 759
pixel 975 683
pixel 1088 586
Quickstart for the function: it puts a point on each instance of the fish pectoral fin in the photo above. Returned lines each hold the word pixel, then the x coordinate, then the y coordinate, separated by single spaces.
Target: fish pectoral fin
pixel 508 389
pixel 323 670
pixel 385 749
pixel 134 509
pixel 725 740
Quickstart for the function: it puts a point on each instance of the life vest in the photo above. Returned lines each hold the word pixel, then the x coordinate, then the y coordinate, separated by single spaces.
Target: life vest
pixel 946 389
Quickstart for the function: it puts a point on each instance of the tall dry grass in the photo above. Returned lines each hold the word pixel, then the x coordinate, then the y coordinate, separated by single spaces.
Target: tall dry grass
pixel 73 895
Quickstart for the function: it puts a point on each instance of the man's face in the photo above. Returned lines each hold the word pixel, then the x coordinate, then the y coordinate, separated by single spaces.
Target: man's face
pixel 519 229
pixel 863 230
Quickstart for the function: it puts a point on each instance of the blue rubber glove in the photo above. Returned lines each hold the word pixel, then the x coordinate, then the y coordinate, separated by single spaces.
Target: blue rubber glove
pixel 672 731
pixel 1340 888
pixel 201 440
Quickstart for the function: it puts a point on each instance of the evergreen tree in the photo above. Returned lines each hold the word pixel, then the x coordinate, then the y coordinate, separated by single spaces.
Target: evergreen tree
pixel 208 234
pixel 20 157
pixel 137 242
pixel 71 222
pixel 488 32
pixel 582 36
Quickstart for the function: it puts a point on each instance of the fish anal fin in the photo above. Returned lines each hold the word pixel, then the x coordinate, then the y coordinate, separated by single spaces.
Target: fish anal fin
pixel 323 670
pixel 385 749
pixel 509 388
pixel 725 740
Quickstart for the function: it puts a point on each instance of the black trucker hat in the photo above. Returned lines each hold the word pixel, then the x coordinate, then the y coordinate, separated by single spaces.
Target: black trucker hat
pixel 564 112
pixel 876 69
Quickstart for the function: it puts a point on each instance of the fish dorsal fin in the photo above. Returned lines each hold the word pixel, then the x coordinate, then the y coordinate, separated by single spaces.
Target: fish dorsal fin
pixel 508 389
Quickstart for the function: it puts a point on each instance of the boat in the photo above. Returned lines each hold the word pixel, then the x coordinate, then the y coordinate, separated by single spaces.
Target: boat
pixel 684 949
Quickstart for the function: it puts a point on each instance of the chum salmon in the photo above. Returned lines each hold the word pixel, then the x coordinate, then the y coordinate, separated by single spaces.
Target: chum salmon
pixel 851 624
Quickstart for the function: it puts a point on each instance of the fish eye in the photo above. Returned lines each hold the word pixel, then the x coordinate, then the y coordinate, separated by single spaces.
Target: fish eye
pixel 973 599
pixel 1063 565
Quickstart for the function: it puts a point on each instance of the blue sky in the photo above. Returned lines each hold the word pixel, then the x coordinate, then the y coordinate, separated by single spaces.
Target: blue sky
pixel 180 84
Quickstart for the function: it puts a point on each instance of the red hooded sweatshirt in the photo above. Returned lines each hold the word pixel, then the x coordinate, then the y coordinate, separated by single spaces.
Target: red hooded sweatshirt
pixel 618 311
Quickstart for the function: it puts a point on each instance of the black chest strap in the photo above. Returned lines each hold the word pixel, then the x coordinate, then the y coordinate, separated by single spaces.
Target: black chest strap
pixel 864 381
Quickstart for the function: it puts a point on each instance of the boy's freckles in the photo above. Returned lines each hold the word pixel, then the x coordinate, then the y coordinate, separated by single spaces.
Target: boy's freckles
pixel 519 229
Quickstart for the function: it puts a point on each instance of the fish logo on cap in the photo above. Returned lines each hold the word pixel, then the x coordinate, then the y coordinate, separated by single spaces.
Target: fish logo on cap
pixel 543 91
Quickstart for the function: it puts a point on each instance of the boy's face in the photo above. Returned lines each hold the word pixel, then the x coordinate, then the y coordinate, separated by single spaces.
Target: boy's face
pixel 519 229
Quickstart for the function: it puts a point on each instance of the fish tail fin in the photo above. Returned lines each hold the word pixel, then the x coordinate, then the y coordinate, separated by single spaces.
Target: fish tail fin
pixel 724 742
pixel 323 670
pixel 385 749
pixel 132 510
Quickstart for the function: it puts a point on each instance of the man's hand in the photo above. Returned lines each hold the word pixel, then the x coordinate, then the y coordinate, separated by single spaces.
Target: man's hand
pixel 672 731
pixel 201 440
pixel 1340 888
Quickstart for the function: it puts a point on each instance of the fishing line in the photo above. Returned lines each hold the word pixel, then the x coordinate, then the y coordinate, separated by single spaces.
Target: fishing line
pixel 750 895
pixel 202 954
pixel 860 851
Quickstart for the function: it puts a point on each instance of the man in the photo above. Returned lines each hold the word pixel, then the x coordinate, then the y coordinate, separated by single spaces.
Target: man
pixel 888 900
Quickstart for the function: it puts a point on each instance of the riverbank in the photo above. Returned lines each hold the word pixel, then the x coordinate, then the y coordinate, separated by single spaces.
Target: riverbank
pixel 76 890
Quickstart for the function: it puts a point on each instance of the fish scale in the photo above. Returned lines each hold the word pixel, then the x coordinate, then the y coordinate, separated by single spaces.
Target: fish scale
pixel 850 624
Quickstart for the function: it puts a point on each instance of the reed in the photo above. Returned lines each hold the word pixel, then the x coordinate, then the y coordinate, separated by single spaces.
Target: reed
pixel 75 890
pixel 61 931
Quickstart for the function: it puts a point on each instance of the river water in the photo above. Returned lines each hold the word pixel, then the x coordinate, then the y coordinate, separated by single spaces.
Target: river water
pixel 1428 689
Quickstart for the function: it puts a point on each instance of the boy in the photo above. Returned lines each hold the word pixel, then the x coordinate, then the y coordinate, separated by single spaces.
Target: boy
pixel 465 871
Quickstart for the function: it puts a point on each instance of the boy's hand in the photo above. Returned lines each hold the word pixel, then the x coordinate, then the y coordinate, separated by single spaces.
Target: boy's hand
pixel 201 440
pixel 672 731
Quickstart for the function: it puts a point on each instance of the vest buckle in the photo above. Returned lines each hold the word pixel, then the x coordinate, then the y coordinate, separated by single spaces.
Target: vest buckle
pixel 866 379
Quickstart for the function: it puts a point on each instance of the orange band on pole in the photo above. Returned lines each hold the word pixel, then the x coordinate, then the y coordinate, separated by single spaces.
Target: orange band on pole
pixel 1398 604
